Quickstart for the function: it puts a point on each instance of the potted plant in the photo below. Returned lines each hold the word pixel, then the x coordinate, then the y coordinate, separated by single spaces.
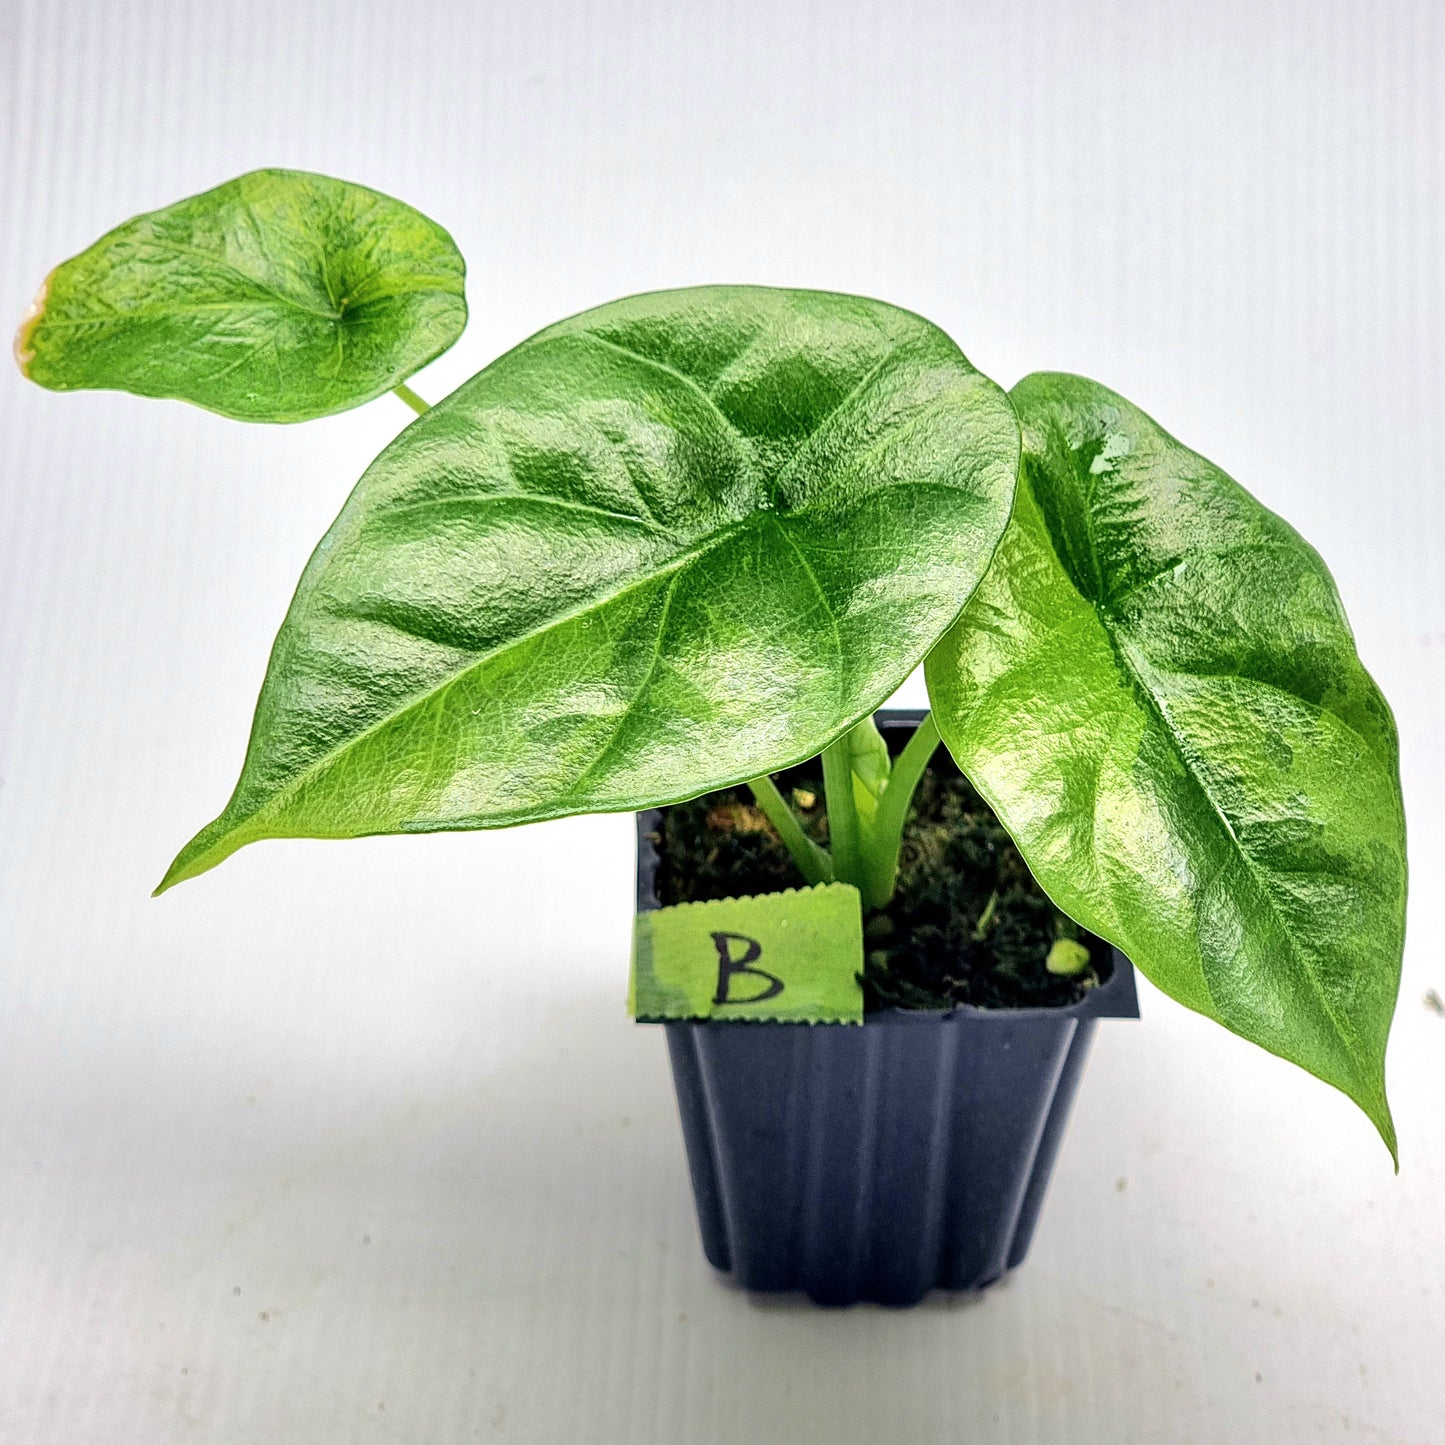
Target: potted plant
pixel 683 546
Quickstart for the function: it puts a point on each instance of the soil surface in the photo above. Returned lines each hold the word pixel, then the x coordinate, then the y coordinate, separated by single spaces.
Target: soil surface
pixel 968 923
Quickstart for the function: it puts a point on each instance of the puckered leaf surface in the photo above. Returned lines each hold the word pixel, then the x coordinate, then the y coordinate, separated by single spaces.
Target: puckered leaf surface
pixel 277 297
pixel 667 545
pixel 1156 688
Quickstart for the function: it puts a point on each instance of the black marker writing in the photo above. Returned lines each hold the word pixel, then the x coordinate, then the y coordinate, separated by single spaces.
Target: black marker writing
pixel 728 968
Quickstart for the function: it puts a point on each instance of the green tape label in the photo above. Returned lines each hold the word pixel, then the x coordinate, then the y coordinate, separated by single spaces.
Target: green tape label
pixel 792 957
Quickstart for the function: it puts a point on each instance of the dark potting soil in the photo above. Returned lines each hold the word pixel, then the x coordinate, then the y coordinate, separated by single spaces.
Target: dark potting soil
pixel 968 923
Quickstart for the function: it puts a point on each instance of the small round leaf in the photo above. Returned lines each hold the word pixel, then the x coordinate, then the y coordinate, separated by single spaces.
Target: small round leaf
pixel 276 297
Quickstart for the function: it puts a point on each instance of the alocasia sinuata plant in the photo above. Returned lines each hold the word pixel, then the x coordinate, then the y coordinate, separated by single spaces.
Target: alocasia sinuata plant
pixel 691 538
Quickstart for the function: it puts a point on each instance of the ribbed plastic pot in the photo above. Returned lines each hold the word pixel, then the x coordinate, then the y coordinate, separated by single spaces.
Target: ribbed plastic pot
pixel 882 1162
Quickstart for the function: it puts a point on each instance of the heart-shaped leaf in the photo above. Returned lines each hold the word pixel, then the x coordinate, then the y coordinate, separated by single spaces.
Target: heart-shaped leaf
pixel 279 296
pixel 1156 688
pixel 668 545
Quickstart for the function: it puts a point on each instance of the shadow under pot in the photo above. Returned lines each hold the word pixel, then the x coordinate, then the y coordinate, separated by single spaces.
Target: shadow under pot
pixel 882 1162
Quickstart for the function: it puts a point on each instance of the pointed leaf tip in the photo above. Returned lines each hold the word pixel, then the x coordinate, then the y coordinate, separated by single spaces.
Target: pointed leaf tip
pixel 671 544
pixel 204 852
pixel 1380 1116
pixel 1156 689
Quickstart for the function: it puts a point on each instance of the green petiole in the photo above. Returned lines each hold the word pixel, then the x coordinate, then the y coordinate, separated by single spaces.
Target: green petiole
pixel 815 862
pixel 843 830
pixel 410 397
pixel 864 848
pixel 881 854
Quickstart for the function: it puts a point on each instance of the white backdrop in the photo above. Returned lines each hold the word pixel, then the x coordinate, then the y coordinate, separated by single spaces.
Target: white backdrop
pixel 354 1142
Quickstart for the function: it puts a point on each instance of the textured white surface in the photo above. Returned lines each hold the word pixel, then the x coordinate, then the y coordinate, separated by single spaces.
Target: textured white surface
pixel 353 1142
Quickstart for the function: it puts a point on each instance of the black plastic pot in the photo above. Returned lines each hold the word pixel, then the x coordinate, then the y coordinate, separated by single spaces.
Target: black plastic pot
pixel 877 1163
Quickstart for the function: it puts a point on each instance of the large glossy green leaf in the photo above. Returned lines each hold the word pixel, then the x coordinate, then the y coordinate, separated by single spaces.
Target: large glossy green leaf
pixel 1156 688
pixel 278 296
pixel 667 545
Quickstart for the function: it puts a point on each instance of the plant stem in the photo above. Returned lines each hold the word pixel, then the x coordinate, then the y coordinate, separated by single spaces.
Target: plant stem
pixel 864 852
pixel 410 397
pixel 843 832
pixel 817 866
pixel 980 929
pixel 886 835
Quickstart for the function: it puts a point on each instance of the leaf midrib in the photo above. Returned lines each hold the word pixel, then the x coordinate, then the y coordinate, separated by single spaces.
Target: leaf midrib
pixel 763 515
pixel 240 303
pixel 210 258
pixel 1154 708
pixel 593 604
pixel 1108 604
